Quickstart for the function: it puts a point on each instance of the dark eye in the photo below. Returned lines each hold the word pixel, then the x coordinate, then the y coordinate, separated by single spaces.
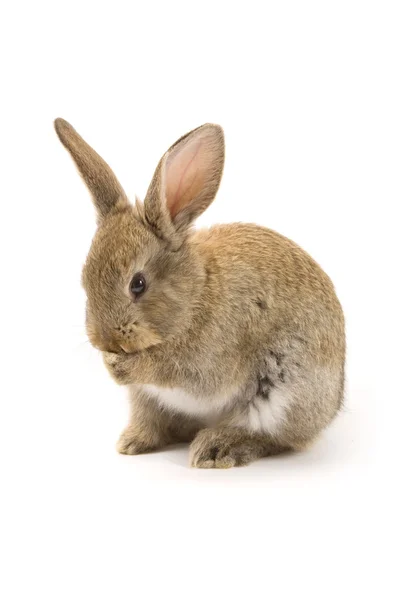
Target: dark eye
pixel 138 285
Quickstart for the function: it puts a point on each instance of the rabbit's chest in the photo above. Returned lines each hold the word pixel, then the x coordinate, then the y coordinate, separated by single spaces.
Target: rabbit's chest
pixel 178 399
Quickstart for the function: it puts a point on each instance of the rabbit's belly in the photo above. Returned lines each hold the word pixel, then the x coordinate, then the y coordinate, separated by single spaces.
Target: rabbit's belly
pixel 179 400
pixel 258 414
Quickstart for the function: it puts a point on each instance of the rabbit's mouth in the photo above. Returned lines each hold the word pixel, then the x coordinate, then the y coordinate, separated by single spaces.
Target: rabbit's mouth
pixel 125 348
pixel 119 343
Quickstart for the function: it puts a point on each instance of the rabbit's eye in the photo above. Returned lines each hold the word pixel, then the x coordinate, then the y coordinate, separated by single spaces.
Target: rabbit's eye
pixel 138 285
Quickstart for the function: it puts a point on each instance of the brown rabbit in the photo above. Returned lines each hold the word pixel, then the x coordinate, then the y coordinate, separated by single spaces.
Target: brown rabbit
pixel 231 338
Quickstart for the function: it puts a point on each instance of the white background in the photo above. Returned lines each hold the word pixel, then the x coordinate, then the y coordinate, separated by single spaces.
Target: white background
pixel 308 95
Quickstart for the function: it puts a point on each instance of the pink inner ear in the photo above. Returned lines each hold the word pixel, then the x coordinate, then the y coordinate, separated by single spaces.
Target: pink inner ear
pixel 186 174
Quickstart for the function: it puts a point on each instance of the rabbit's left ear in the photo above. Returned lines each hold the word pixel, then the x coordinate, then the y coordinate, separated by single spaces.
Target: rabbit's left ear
pixel 186 181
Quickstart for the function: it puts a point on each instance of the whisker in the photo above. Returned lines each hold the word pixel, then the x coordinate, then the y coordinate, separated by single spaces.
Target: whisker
pixel 81 344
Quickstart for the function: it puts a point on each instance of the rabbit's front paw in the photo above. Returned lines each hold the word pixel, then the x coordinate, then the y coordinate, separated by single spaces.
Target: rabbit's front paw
pixel 131 442
pixel 119 366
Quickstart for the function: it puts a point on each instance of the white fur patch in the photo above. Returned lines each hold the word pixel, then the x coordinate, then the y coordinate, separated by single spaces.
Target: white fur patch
pixel 179 400
pixel 266 415
pixel 260 415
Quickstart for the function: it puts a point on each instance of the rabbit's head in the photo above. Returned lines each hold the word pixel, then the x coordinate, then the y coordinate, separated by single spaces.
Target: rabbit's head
pixel 142 277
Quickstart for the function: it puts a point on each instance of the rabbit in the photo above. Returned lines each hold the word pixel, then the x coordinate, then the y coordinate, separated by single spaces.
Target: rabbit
pixel 230 338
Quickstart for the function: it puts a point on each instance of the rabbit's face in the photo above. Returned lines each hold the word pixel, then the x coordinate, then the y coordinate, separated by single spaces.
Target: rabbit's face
pixel 141 278
pixel 139 292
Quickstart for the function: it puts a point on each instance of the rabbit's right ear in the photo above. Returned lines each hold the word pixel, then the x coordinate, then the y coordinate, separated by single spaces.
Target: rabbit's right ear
pixel 185 182
pixel 106 191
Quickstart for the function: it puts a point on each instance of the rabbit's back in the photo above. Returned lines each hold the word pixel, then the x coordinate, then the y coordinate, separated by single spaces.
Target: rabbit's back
pixel 269 278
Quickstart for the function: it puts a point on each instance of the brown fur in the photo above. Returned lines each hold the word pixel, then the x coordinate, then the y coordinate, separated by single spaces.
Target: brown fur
pixel 237 307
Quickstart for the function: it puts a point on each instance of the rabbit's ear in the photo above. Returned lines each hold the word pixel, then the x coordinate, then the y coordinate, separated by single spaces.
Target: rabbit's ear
pixel 107 192
pixel 186 180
